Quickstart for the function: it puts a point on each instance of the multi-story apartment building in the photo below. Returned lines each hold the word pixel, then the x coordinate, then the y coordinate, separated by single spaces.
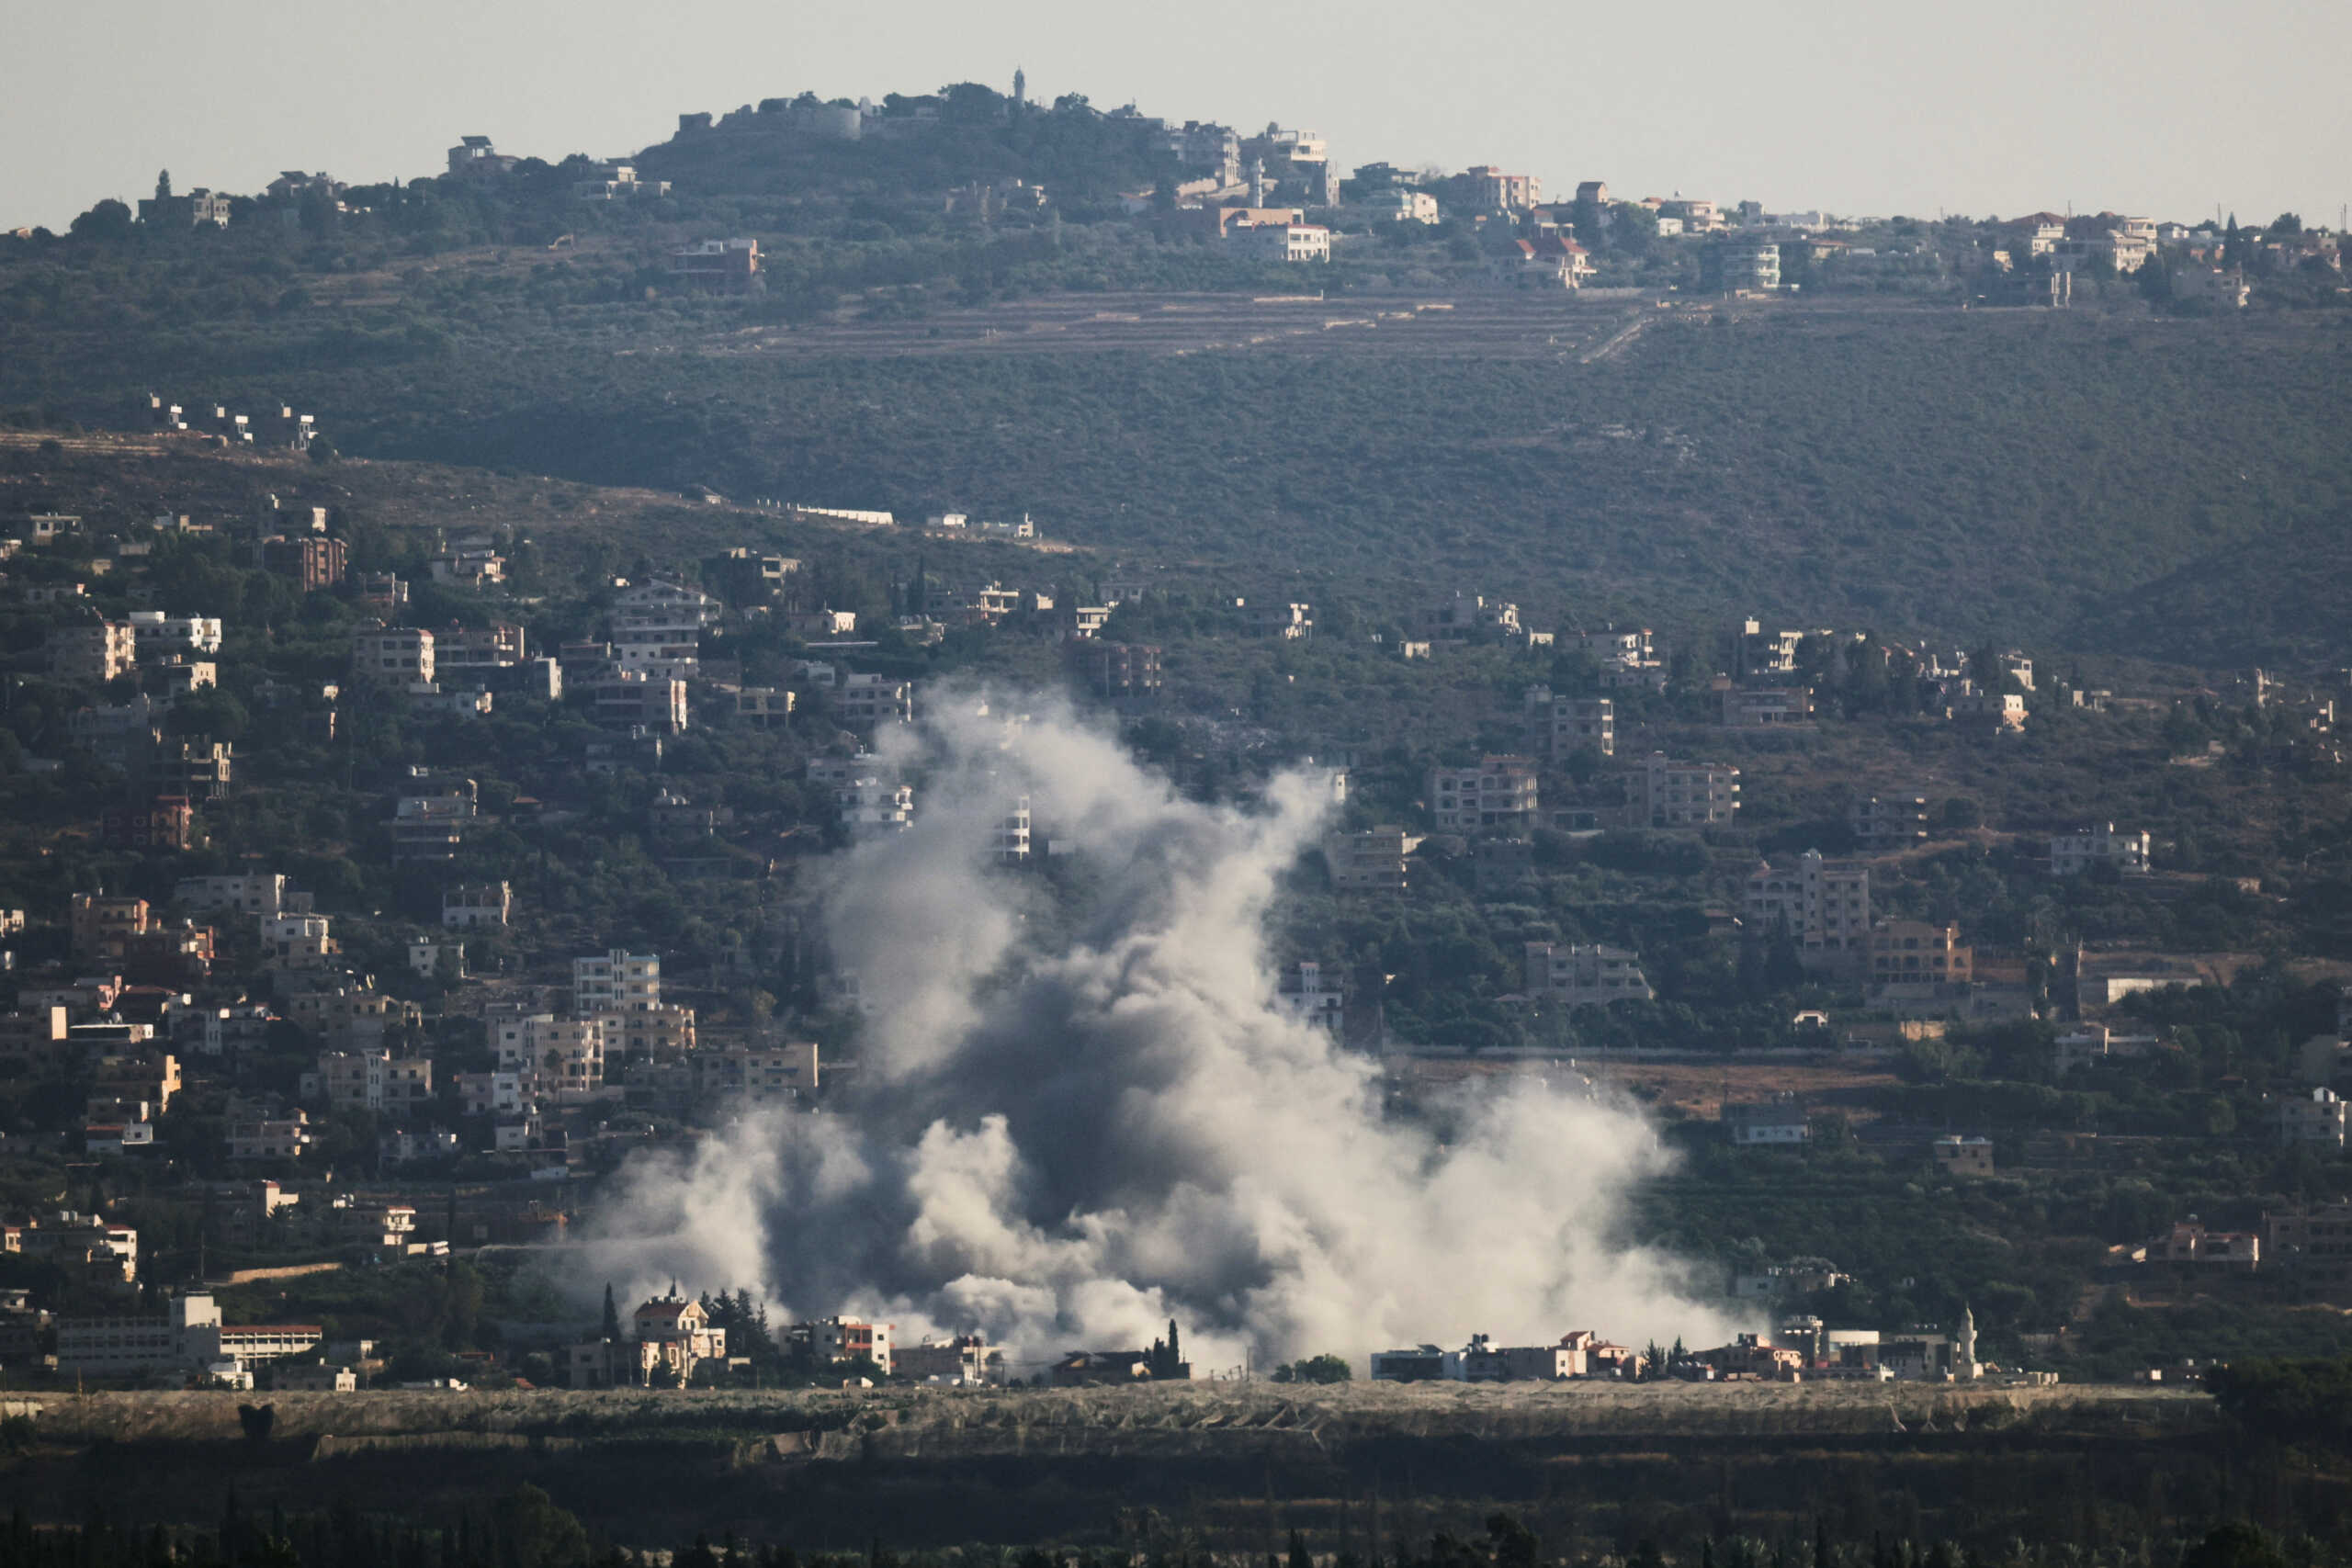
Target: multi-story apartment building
pixel 1115 669
pixel 313 561
pixel 93 653
pixel 1685 794
pixel 872 804
pixel 561 1057
pixel 499 646
pixel 617 981
pixel 2073 853
pixel 874 699
pixel 1564 726
pixel 371 1081
pixel 193 767
pixel 1306 993
pixel 1823 904
pixel 262 894
pixel 1372 861
pixel 1888 821
pixel 1911 952
pixel 1758 707
pixel 2313 1116
pixel 477 906
pixel 270 1137
pixel 101 927
pixel 157 634
pixel 1579 975
pixel 396 656
pixel 1497 795
pixel 640 699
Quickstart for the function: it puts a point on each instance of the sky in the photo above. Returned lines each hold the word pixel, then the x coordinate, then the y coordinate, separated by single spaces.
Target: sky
pixel 2164 109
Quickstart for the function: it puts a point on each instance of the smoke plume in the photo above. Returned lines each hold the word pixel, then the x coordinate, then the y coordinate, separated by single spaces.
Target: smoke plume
pixel 1078 1112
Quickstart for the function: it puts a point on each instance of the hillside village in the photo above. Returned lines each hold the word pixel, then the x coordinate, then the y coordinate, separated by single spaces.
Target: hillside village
pixel 381 890
pixel 393 851
pixel 1243 205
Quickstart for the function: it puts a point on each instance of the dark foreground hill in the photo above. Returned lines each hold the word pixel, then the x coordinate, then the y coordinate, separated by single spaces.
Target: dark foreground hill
pixel 1201 1467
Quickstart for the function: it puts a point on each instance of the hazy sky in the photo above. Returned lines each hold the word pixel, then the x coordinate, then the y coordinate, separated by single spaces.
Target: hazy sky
pixel 2163 107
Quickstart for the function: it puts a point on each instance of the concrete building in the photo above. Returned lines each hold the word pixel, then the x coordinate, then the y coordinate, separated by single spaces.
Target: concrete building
pixel 730 266
pixel 1733 265
pixel 1568 725
pixel 966 1361
pixel 156 634
pixel 1581 975
pixel 872 804
pixel 371 1081
pixel 270 1137
pixel 1781 1121
pixel 1304 993
pixel 476 906
pixel 1371 860
pixel 874 699
pixel 1761 707
pixel 2099 844
pixel 1118 671
pixel 315 561
pixel 617 981
pixel 563 1059
pixel 1499 795
pixel 189 1335
pixel 1685 794
pixel 1961 1158
pixel 93 653
pixel 1888 822
pixel 261 894
pixel 1494 190
pixel 2313 1116
pixel 1288 243
pixel 639 699
pixel 836 1339
pixel 399 656
pixel 1823 904
pixel 1915 953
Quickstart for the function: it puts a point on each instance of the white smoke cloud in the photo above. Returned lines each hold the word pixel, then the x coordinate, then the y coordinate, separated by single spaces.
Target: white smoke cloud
pixel 1078 1112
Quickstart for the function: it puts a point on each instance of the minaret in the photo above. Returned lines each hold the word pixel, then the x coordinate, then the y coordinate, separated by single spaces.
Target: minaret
pixel 1257 182
pixel 1020 86
pixel 1963 1364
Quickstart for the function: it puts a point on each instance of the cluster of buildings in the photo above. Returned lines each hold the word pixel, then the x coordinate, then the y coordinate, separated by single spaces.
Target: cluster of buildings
pixel 1801 1348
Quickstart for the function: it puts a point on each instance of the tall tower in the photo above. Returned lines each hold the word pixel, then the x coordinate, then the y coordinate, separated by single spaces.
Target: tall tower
pixel 1020 86
pixel 1257 182
pixel 1964 1361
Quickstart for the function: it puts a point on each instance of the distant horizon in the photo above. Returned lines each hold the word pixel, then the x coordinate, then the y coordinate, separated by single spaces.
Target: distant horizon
pixel 2162 111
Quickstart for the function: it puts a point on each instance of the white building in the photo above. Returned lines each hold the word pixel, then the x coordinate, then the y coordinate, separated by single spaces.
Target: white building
pixel 1280 242
pixel 1306 994
pixel 154 633
pixel 1010 839
pixel 658 628
pixel 2100 844
pixel 1579 975
pixel 563 1057
pixel 874 699
pixel 617 981
pixel 872 804
pixel 273 1137
pixel 476 906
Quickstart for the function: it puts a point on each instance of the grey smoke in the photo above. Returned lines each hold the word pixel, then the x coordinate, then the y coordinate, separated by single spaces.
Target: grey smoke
pixel 1075 1119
